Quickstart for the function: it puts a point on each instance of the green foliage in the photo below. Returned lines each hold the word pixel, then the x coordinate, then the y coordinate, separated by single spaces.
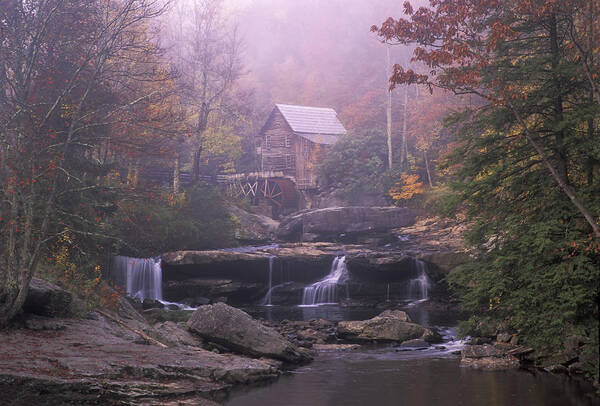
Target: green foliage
pixel 194 221
pixel 357 165
pixel 538 270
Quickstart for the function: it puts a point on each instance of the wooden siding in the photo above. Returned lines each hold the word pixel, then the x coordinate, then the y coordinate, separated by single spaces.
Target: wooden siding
pixel 283 150
pixel 277 146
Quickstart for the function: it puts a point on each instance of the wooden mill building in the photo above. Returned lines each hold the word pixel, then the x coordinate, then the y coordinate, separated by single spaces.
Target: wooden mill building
pixel 294 139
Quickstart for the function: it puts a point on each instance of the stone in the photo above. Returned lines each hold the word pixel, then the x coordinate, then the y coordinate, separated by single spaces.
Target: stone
pixel 390 326
pixel 336 347
pixel 480 340
pixel 252 227
pixel 557 369
pixel 151 304
pixel 481 351
pixel 491 357
pixel 330 223
pixel 97 361
pixel 47 299
pixel 491 363
pixel 173 334
pixel 235 329
pixel 396 314
pixel 415 343
pixel 503 337
pixel 577 368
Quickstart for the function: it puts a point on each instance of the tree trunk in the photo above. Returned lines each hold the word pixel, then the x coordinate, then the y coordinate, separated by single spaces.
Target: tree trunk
pixel 557 177
pixel 389 114
pixel 403 149
pixel 176 172
pixel 560 150
pixel 427 168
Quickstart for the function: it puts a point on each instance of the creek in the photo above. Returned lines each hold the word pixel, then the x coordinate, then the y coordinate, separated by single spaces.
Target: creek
pixel 373 375
pixel 387 375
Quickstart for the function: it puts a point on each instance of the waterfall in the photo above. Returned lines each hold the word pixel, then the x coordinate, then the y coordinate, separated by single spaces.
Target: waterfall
pixel 141 277
pixel 325 290
pixel 267 300
pixel 418 287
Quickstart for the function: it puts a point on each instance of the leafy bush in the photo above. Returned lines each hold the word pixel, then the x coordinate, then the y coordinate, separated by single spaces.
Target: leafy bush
pixel 357 165
pixel 193 221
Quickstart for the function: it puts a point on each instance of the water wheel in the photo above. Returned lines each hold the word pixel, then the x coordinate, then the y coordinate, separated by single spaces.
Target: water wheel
pixel 272 191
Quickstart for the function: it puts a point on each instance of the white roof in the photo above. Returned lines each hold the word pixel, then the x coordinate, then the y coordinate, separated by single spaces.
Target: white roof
pixel 311 120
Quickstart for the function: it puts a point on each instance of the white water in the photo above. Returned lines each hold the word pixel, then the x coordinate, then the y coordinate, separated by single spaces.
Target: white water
pixel 267 300
pixel 141 277
pixel 418 288
pixel 325 290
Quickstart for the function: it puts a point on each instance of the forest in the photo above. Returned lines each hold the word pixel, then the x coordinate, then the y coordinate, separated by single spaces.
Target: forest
pixel 472 132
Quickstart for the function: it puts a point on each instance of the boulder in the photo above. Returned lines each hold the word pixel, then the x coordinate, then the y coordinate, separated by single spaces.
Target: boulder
pixel 389 326
pixel 235 329
pixel 46 299
pixel 252 227
pixel 339 222
pixel 174 334
pixel 491 357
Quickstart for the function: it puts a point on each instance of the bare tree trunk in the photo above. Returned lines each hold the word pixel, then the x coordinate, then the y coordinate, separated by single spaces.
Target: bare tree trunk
pixel 427 168
pixel 403 149
pixel 176 172
pixel 389 113
pixel 561 154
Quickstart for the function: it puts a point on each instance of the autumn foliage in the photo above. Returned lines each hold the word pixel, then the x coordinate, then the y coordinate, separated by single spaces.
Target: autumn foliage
pixel 525 158
pixel 407 188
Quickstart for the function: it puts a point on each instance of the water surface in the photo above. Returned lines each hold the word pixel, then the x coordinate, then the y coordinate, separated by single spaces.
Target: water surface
pixel 385 377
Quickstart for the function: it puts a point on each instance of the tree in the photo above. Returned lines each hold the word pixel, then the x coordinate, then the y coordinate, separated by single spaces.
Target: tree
pixel 206 49
pixel 491 50
pixel 525 160
pixel 59 60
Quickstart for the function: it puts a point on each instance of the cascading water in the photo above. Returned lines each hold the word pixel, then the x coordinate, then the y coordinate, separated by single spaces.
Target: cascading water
pixel 325 290
pixel 267 300
pixel 418 288
pixel 141 277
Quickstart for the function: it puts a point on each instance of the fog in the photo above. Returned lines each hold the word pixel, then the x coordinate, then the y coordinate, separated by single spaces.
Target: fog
pixel 310 52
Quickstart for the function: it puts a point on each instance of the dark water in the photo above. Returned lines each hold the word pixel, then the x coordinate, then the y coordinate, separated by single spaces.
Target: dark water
pixel 327 312
pixel 380 376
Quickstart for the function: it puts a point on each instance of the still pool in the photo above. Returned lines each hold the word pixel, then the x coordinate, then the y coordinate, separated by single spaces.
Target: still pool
pixel 382 375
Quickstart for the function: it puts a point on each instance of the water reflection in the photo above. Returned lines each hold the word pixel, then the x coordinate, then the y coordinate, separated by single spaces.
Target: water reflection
pixel 385 376
pixel 399 379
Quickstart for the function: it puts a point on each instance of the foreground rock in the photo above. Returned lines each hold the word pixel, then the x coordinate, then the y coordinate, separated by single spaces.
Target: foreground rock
pixel 389 326
pixel 235 329
pixel 47 299
pixel 97 361
pixel 116 357
pixel 339 222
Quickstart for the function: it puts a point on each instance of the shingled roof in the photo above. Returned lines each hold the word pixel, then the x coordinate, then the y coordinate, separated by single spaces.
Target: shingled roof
pixel 317 124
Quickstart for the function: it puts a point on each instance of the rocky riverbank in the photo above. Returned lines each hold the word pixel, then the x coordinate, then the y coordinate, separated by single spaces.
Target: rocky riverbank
pixel 121 358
